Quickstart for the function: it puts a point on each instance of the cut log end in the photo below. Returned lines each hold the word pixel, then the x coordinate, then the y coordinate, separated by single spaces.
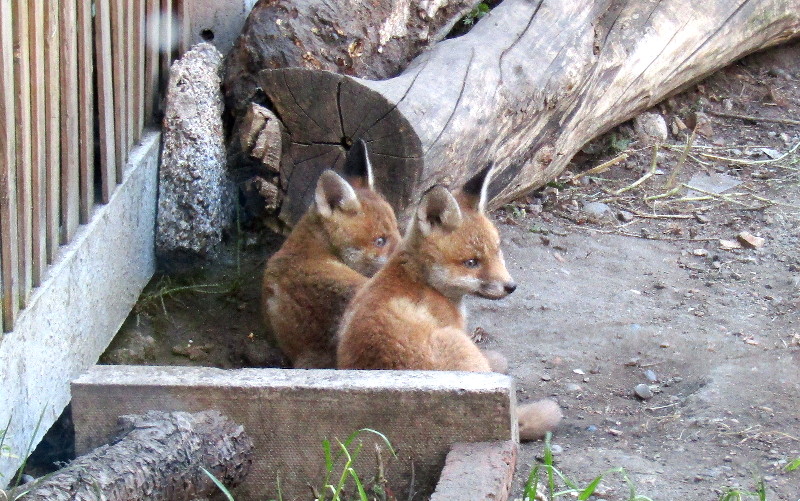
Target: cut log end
pixel 324 115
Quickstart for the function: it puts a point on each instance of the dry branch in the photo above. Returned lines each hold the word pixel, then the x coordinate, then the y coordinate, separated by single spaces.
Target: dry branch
pixel 157 456
pixel 526 88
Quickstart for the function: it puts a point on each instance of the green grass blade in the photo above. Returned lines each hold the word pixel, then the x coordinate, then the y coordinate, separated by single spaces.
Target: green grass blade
pixel 219 484
pixel 589 490
pixel 532 485
pixel 29 448
pixel 789 467
pixel 361 492
pixel 326 446
pixel 385 440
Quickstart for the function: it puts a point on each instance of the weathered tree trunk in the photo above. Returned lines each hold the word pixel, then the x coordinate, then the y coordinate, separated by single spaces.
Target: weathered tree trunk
pixel 526 89
pixel 157 456
pixel 370 39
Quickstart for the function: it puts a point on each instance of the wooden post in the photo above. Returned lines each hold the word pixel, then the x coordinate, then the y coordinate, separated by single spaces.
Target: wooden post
pixel 87 112
pixel 105 99
pixel 24 152
pixel 52 105
pixel 70 144
pixel 38 140
pixel 9 251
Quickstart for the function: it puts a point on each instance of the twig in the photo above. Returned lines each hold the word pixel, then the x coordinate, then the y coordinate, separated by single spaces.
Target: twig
pixel 644 178
pixel 754 118
pixel 682 160
pixel 602 167
pixel 753 162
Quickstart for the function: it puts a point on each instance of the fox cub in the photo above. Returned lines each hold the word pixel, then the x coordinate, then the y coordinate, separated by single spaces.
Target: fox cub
pixel 346 236
pixel 410 314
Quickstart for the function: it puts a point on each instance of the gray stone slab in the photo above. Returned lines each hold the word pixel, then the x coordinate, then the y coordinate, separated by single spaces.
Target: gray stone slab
pixel 84 298
pixel 288 414
pixel 482 470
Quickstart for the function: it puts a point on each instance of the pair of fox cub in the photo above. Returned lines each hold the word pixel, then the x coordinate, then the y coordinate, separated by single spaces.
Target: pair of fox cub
pixel 325 312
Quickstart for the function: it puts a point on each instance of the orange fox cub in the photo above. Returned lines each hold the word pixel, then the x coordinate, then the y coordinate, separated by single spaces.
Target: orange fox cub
pixel 409 316
pixel 345 237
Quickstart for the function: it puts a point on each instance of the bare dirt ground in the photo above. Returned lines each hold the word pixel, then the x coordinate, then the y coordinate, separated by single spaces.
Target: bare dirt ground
pixel 623 281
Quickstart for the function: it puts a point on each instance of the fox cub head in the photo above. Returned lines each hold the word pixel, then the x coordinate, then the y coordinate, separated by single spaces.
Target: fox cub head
pixel 360 226
pixel 458 247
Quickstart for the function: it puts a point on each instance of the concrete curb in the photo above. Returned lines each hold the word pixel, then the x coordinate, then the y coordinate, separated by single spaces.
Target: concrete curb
pixel 476 471
pixel 289 413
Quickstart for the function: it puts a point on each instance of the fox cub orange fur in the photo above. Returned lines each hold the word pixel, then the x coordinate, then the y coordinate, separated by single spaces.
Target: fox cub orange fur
pixel 410 315
pixel 345 236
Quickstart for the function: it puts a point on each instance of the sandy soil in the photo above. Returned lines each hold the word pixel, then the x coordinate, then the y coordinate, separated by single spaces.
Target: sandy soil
pixel 614 291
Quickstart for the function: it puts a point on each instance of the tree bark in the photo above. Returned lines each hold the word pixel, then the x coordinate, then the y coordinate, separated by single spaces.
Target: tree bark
pixel 371 39
pixel 156 456
pixel 526 88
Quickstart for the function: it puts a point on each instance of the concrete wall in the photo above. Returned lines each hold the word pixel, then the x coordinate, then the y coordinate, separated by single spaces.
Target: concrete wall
pixel 80 306
pixel 222 18
pixel 288 413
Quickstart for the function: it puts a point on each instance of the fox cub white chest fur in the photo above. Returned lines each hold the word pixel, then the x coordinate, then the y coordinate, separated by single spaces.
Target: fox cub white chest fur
pixel 409 315
pixel 345 236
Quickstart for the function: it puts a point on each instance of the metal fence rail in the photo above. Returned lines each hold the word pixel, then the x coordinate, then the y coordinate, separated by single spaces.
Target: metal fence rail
pixel 79 81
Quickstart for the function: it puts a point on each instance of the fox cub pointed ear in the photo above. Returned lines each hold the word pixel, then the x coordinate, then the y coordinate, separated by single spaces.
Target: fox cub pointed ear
pixel 474 193
pixel 357 166
pixel 438 209
pixel 334 193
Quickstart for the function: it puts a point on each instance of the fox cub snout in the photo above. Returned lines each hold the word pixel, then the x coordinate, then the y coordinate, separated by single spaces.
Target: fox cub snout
pixel 345 236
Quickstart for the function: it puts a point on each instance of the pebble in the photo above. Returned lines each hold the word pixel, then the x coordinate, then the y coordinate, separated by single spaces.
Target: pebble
pixel 650 127
pixel 625 216
pixel 556 449
pixel 572 387
pixel 643 391
pixel 546 377
pixel 597 209
pixel 591 428
pixel 651 375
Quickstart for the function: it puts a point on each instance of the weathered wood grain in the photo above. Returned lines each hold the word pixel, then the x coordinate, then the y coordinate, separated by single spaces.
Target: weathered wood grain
pixel 36 29
pixel 156 456
pixel 9 252
pixel 526 88
pixel 70 145
pixel 86 109
pixel 52 106
pixel 374 39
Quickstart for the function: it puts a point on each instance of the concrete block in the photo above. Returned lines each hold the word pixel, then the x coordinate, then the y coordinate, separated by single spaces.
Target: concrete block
pixel 477 471
pixel 288 414
pixel 83 300
pixel 217 21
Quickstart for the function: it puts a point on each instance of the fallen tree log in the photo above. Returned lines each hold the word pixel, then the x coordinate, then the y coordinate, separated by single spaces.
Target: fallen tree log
pixel 374 39
pixel 526 89
pixel 156 456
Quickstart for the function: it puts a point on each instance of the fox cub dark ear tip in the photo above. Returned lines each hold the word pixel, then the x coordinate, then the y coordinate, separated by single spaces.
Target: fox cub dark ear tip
pixel 357 166
pixel 474 187
pixel 333 192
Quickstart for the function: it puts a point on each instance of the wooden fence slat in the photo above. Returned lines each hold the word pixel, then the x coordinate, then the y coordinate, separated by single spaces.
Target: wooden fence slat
pixel 183 26
pixel 9 254
pixel 130 78
pixel 151 67
pixel 105 99
pixel 38 180
pixel 52 104
pixel 86 106
pixel 120 80
pixel 138 73
pixel 22 104
pixel 70 157
pixel 167 43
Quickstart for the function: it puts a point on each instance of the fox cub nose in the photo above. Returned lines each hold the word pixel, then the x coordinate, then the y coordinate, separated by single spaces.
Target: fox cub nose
pixel 510 287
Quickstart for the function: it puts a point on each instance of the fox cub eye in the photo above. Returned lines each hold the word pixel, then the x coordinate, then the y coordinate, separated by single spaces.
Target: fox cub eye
pixel 472 263
pixel 380 242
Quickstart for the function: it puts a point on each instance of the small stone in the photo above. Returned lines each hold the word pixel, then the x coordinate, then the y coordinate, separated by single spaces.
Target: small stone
pixel 625 216
pixel 546 377
pixel 591 428
pixel 700 218
pixel 664 344
pixel 615 432
pixel 729 244
pixel 643 391
pixel 651 375
pixel 596 209
pixel 579 371
pixel 572 387
pixel 650 127
pixel 750 241
pixel 702 125
pixel 556 449
pixel 700 252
